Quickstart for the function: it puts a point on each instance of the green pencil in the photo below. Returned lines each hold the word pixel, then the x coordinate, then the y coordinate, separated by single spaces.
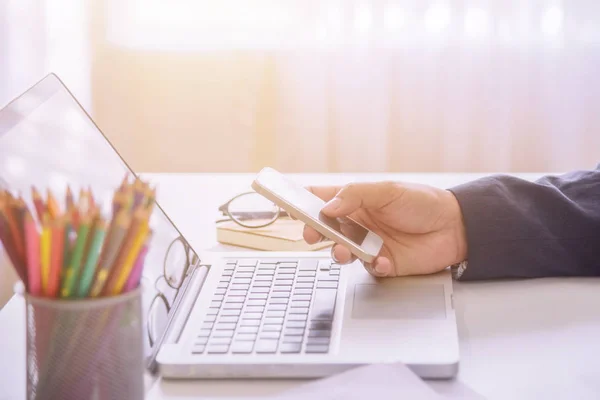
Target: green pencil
pixel 89 266
pixel 74 267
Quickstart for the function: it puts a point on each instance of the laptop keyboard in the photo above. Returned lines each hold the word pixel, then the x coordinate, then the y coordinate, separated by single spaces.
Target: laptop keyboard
pixel 269 307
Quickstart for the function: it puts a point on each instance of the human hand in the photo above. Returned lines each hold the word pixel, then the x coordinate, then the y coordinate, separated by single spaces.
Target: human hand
pixel 421 226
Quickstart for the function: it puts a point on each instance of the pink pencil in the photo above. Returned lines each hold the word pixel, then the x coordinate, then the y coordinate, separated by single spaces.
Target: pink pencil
pixel 32 240
pixel 136 272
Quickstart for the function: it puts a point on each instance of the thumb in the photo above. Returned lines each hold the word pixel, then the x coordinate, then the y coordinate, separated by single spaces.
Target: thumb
pixel 359 195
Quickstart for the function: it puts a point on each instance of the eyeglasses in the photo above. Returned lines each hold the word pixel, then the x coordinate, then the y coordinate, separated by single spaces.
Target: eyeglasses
pixel 178 259
pixel 251 210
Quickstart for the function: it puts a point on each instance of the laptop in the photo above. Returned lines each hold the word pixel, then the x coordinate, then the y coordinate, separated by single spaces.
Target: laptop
pixel 235 314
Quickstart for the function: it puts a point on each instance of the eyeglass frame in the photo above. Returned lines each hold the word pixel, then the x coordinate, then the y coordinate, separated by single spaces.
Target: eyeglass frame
pixel 224 209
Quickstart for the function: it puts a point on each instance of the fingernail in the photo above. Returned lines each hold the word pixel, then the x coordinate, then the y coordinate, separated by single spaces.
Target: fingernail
pixel 333 204
pixel 333 256
pixel 380 269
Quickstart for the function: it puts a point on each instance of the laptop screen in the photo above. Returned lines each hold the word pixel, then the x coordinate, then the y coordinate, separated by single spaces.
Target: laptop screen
pixel 48 141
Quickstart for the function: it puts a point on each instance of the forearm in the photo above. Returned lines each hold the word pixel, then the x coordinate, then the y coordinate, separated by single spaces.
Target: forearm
pixel 517 228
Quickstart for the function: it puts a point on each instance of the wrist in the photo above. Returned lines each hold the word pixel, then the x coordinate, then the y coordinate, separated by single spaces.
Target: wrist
pixel 458 230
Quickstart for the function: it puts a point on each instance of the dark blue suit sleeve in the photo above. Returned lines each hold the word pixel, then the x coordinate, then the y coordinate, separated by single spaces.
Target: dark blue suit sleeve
pixel 521 229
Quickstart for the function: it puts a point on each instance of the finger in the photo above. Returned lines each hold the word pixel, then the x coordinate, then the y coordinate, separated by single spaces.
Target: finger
pixel 381 267
pixel 362 195
pixel 325 193
pixel 341 254
pixel 310 235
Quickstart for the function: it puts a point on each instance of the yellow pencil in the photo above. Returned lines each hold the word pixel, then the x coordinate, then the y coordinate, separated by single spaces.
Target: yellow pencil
pixel 127 266
pixel 45 242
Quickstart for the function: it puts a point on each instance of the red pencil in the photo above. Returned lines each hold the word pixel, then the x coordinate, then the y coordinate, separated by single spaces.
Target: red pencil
pixel 38 202
pixel 32 239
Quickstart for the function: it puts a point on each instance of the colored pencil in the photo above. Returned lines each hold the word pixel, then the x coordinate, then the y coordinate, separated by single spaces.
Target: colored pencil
pixel 45 239
pixel 110 251
pixel 134 278
pixel 11 219
pixel 7 242
pixel 72 273
pixel 56 256
pixel 52 205
pixel 132 253
pixel 69 201
pixel 33 256
pixel 67 248
pixel 38 202
pixel 89 267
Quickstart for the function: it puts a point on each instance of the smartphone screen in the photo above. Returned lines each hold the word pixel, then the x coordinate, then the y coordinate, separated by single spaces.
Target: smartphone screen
pixel 311 205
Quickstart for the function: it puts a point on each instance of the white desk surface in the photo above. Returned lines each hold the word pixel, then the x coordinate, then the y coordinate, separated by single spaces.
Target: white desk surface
pixel 518 339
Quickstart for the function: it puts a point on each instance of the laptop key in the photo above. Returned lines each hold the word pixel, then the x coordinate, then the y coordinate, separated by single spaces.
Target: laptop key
pixel 278 300
pixel 253 315
pixel 225 326
pixel 276 307
pixel 215 304
pixel 317 348
pixel 250 322
pixel 324 265
pixel 308 265
pixel 303 291
pixel 295 324
pixel 266 346
pixel 275 314
pixel 286 265
pixel 210 318
pixel 328 278
pixel 258 284
pixel 245 269
pixel 218 297
pixel 242 280
pixel 301 297
pixel 228 318
pixel 231 312
pixel 318 333
pixel 305 279
pixel 227 273
pixel 267 273
pixel 256 302
pixel 246 336
pixel 297 317
pixel 294 331
pixel 292 339
pixel 263 278
pixel 323 304
pixel 287 288
pixel 258 296
pixel 245 262
pixel 284 282
pixel 272 328
pixel 212 311
pixel 204 332
pixel 207 325
pixel 238 293
pixel 318 340
pixel 233 306
pixel 242 347
pixel 280 295
pixel 247 329
pixel 220 291
pixel 222 334
pixel 267 267
pixel 222 285
pixel 240 286
pixel 335 266
pixel 198 349
pixel 290 347
pixel 307 273
pixel 260 290
pixel 226 279
pixel 299 310
pixel 220 340
pixel 269 335
pixel 304 285
pixel 217 348
pixel 244 275
pixel 321 325
pixel 258 309
pixel 271 321
pixel 201 340
pixel 300 304
pixel 334 272
pixel 327 285
pixel 234 299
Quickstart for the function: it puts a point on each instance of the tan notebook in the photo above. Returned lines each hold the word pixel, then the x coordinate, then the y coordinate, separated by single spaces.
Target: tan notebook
pixel 283 235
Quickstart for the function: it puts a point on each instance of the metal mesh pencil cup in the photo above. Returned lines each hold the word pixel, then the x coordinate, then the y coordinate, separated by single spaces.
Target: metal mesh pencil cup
pixel 85 348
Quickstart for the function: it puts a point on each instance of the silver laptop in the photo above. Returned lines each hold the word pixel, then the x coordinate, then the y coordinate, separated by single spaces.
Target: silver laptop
pixel 236 315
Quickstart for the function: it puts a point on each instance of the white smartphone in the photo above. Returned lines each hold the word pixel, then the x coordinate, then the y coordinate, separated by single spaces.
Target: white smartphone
pixel 305 206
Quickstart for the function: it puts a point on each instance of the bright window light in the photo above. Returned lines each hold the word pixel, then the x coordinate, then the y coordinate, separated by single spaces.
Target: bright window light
pixel 552 21
pixel 393 18
pixel 363 18
pixel 437 18
pixel 477 23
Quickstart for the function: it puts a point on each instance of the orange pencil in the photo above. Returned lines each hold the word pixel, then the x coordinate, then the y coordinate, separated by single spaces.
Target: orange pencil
pixel 56 256
pixel 7 243
pixel 15 232
pixel 32 239
pixel 53 207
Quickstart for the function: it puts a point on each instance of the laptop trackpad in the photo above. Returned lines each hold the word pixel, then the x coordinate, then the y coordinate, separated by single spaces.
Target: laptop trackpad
pixel 389 301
